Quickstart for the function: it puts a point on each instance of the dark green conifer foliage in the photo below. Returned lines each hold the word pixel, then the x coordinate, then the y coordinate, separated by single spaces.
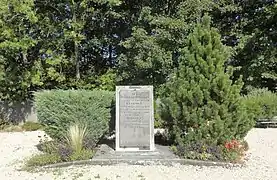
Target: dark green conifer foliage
pixel 202 103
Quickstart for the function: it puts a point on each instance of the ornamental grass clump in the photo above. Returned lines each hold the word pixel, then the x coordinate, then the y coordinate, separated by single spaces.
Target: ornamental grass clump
pixel 75 136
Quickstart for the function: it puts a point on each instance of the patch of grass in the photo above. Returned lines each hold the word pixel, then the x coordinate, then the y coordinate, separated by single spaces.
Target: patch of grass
pixel 43 159
pixel 28 126
pixel 31 126
pixel 12 128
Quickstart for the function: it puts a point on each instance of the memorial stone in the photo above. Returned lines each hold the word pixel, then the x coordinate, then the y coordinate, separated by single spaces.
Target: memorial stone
pixel 134 118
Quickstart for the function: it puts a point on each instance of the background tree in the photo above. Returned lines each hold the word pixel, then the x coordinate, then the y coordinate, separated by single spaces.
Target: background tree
pixel 18 68
pixel 249 28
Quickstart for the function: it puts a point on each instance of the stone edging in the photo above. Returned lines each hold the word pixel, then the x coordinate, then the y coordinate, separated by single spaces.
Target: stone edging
pixel 165 162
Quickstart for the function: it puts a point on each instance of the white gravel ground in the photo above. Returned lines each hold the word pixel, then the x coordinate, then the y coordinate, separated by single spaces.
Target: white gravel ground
pixel 262 163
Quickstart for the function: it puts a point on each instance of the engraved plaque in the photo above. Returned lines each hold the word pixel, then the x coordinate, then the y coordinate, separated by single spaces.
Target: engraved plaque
pixel 135 118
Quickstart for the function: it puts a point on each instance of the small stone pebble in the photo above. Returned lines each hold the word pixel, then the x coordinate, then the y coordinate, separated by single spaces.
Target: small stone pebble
pixel 261 163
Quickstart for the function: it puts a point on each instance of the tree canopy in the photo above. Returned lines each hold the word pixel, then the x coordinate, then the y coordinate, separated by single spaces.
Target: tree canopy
pixel 47 44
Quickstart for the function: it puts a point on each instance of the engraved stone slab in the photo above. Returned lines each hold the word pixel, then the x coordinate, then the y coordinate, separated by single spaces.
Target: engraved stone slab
pixel 134 118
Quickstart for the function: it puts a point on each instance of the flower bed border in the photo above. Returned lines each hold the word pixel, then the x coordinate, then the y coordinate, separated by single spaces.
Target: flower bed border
pixel 164 162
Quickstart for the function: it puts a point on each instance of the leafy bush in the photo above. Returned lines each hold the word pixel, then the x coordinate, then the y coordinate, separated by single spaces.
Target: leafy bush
pixel 200 101
pixel 58 109
pixel 261 104
pixel 31 126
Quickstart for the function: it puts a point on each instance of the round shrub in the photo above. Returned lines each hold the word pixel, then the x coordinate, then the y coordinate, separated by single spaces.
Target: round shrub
pixel 58 109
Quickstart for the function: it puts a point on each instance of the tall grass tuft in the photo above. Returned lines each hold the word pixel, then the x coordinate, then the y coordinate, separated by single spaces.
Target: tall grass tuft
pixel 75 136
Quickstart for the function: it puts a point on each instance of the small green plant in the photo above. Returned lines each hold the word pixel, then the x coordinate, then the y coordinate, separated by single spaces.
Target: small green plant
pixel 43 159
pixel 75 137
pixel 82 155
pixel 31 126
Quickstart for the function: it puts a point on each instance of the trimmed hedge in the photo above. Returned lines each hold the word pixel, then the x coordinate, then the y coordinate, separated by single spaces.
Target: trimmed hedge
pixel 57 109
pixel 261 104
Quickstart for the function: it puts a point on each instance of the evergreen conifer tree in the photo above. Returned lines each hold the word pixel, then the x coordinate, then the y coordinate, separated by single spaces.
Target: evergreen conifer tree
pixel 201 102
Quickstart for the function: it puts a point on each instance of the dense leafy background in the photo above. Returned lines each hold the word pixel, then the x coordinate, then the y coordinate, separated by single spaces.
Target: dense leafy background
pixel 46 44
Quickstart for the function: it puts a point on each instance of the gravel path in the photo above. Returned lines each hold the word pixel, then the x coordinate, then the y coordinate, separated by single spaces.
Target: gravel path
pixel 262 164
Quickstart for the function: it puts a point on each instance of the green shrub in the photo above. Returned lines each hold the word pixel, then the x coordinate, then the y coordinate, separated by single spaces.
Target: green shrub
pixel 31 126
pixel 84 154
pixel 200 101
pixel 58 109
pixel 43 159
pixel 261 104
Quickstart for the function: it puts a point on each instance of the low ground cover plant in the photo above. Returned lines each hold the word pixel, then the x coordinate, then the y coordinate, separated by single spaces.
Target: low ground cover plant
pixel 6 126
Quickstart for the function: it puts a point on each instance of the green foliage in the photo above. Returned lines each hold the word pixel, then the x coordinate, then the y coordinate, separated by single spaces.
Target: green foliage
pixel 16 71
pixel 261 104
pixel 250 28
pixel 31 126
pixel 11 128
pixel 200 101
pixel 233 150
pixel 43 159
pixel 49 147
pixel 98 44
pixel 3 123
pixel 158 121
pixel 84 154
pixel 58 109
pixel 107 81
pixel 73 147
pixel 200 151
